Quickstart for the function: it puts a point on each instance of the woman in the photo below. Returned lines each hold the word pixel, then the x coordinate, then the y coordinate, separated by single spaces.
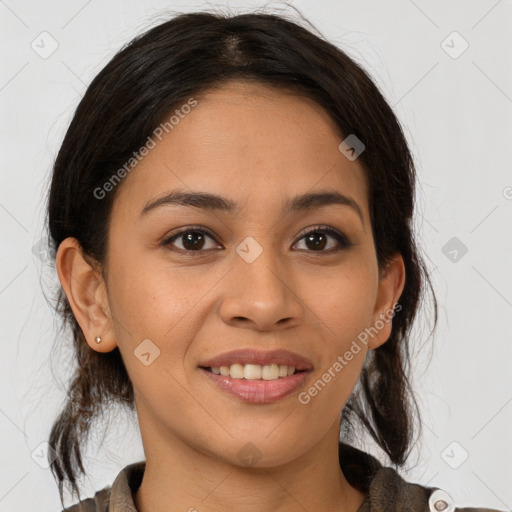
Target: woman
pixel 231 212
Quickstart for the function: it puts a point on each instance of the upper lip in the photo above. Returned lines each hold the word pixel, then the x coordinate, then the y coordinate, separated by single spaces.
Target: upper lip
pixel 253 356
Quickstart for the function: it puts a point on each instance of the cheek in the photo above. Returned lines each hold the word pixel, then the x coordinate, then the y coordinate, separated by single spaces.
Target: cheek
pixel 345 303
pixel 344 308
pixel 165 304
pixel 147 296
pixel 149 303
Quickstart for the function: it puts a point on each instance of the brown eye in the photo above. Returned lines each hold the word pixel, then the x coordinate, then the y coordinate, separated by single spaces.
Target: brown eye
pixel 317 239
pixel 191 240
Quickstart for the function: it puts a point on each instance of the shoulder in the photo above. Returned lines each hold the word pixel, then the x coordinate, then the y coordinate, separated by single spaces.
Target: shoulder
pixel 388 487
pixel 99 503
pixel 118 497
pixel 384 487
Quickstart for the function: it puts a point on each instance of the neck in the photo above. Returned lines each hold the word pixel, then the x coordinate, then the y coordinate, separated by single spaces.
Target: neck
pixel 179 477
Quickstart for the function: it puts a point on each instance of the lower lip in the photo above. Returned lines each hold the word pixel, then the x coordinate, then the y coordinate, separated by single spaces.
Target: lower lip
pixel 259 391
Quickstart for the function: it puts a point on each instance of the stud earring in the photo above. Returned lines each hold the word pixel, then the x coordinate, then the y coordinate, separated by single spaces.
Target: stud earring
pixel 98 339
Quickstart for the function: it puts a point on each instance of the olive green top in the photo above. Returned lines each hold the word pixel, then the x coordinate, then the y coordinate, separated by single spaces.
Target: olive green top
pixel 384 488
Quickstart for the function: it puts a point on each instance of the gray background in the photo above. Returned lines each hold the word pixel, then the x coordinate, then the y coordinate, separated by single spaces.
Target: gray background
pixel 456 108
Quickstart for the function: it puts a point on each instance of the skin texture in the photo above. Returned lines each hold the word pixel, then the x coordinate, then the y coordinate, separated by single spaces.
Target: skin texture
pixel 256 146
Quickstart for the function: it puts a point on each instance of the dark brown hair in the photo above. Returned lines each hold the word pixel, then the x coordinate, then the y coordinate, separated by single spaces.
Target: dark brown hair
pixel 130 97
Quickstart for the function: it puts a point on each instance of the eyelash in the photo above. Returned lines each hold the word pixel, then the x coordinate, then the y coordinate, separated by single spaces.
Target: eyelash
pixel 338 236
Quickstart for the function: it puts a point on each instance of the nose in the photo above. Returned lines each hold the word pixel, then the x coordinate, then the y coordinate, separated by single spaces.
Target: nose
pixel 261 295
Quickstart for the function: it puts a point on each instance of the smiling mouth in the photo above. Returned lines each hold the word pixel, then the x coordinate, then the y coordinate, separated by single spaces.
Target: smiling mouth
pixel 254 371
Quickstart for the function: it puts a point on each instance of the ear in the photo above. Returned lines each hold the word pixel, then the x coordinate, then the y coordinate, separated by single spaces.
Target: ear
pixel 391 285
pixel 86 292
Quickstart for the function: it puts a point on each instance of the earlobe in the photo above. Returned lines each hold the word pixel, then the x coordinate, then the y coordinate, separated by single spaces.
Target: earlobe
pixel 391 285
pixel 85 290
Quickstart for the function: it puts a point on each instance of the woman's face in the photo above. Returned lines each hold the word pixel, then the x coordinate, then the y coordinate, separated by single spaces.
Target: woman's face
pixel 254 283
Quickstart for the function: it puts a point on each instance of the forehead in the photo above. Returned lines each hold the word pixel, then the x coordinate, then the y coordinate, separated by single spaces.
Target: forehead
pixel 251 143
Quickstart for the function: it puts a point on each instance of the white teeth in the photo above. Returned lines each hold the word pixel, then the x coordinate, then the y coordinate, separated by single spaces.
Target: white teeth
pixel 251 372
pixel 270 372
pixel 236 371
pixel 254 371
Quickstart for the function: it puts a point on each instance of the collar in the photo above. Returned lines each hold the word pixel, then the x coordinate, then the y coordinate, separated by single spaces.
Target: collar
pixel 381 485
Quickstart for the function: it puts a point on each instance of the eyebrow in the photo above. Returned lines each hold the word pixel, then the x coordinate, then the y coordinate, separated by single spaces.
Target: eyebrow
pixel 213 202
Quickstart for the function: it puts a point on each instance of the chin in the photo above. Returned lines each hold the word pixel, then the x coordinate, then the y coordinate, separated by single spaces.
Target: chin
pixel 259 450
